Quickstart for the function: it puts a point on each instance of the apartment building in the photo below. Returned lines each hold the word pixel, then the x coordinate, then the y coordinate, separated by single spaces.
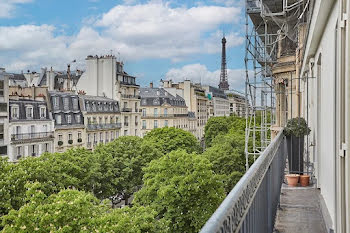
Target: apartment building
pixel 237 104
pixel 31 129
pixel 4 115
pixel 105 77
pixel 195 99
pixel 68 118
pixel 162 109
pixel 101 118
pixel 219 101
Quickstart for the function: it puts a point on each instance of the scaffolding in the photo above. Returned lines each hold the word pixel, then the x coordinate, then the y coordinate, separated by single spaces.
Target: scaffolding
pixel 270 25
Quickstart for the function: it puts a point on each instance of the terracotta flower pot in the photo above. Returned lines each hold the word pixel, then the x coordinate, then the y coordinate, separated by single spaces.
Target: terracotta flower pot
pixel 304 180
pixel 292 179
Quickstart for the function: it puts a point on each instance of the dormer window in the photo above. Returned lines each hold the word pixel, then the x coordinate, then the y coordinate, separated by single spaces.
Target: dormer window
pixel 69 119
pixel 77 118
pixel 94 106
pixel 29 111
pixel 87 106
pixel 105 106
pixel 75 103
pixel 42 112
pixel 15 112
pixel 110 107
pixel 66 103
pixel 55 100
pixel 100 106
pixel 58 119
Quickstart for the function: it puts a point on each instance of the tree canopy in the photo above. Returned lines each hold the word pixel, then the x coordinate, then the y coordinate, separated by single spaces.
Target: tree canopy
pixel 183 189
pixel 120 165
pixel 171 138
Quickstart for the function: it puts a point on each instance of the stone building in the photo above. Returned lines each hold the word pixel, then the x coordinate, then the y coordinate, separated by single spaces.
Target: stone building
pixel 4 112
pixel 105 77
pixel 195 99
pixel 31 129
pixel 68 118
pixel 162 109
pixel 219 101
pixel 101 119
pixel 237 104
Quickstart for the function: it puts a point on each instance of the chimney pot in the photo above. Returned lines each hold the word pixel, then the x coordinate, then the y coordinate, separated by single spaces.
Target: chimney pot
pixel 151 84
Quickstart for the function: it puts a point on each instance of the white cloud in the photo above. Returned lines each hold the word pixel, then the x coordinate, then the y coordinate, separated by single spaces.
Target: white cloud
pixel 150 30
pixel 199 73
pixel 7 7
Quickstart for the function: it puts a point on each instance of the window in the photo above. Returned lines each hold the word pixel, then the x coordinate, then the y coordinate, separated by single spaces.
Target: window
pixel 87 106
pixel 75 103
pixel 125 132
pixel 107 136
pixel 165 112
pixel 43 112
pixel 110 107
pixel 14 112
pixel 95 137
pixel 79 135
pixel 69 119
pixel 106 120
pixel 58 119
pixel 136 120
pixel 1 131
pixel 111 120
pixel 77 118
pixel 32 129
pixel 89 138
pixel 166 123
pixel 112 135
pixel 136 107
pixel 60 137
pixel 55 102
pixel 66 103
pixel 19 152
pixel 116 134
pixel 143 112
pixel 46 147
pixel 18 129
pixel 156 112
pixel 1 87
pixel 94 120
pixel 70 136
pixel 29 111
pixel 155 124
pixel 101 136
pixel 45 128
pixel 135 132
pixel 100 106
pixel 100 120
pixel 144 124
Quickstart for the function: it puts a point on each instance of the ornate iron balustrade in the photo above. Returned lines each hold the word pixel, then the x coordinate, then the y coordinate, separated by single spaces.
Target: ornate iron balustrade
pixel 252 204
pixel 163 115
pixel 130 96
pixel 27 136
pixel 104 126
pixel 126 110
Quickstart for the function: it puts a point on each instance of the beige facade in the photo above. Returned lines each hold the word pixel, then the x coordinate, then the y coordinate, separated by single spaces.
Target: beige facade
pixel 161 109
pixel 68 137
pixel 101 120
pixel 237 104
pixel 195 99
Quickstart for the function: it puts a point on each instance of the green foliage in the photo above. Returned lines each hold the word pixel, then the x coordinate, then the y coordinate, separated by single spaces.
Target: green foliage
pixel 222 125
pixel 74 168
pixel 170 139
pixel 120 165
pixel 183 189
pixel 228 158
pixel 66 211
pixel 129 220
pixel 297 127
pixel 77 211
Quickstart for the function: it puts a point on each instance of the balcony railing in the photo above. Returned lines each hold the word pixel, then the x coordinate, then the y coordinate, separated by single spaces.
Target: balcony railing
pixel 252 204
pixel 163 115
pixel 130 96
pixel 104 126
pixel 126 110
pixel 26 136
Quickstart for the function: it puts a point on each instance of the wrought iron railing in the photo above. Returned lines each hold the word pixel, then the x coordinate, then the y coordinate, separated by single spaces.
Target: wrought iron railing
pixel 126 110
pixel 130 96
pixel 104 126
pixel 252 204
pixel 25 136
pixel 163 115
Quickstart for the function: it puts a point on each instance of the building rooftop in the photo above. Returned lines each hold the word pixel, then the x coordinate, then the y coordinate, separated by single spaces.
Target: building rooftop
pixel 158 97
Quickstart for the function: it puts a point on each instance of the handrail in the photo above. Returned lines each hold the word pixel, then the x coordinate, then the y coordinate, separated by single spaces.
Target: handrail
pixel 260 187
pixel 24 136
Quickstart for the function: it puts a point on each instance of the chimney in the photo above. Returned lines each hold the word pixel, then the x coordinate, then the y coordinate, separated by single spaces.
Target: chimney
pixel 151 84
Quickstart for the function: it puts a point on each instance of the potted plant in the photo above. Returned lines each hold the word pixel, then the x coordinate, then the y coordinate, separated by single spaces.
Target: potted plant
pixel 295 131
pixel 60 143
pixel 70 141
pixel 80 140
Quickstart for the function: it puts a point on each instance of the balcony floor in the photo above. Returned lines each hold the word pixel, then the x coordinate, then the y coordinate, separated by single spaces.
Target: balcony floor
pixel 300 211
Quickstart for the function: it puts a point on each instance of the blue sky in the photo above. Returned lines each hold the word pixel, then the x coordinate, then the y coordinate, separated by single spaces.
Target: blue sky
pixel 155 39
